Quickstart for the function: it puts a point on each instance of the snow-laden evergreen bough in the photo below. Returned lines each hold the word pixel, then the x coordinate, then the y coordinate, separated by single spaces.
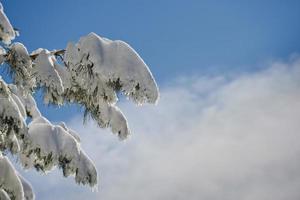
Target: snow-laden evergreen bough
pixel 90 73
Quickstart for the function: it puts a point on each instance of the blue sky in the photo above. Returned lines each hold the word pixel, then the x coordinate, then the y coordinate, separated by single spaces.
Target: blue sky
pixel 173 37
pixel 190 46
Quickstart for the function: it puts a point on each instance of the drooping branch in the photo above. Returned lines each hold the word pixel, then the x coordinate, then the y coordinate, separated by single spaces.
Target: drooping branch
pixel 95 70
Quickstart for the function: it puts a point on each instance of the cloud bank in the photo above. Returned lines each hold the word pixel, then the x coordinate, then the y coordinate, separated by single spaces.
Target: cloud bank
pixel 208 138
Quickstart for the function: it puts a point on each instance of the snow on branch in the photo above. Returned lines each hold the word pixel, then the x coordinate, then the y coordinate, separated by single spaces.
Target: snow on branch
pixel 4 195
pixel 91 73
pixel 12 184
pixel 7 32
pixel 96 70
pixel 100 68
pixel 27 189
pixel 115 63
pixel 51 145
pixel 47 77
pixel 9 180
pixel 12 122
pixel 107 115
pixel 45 145
pixel 2 55
pixel 20 66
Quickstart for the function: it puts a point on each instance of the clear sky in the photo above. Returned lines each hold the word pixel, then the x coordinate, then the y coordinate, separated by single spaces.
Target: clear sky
pixel 173 37
pixel 176 38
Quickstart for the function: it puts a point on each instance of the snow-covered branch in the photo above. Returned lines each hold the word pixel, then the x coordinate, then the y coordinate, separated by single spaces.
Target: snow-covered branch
pixel 10 184
pixel 91 73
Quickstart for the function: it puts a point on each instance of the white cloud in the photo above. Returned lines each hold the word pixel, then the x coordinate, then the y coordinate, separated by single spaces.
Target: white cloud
pixel 209 138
